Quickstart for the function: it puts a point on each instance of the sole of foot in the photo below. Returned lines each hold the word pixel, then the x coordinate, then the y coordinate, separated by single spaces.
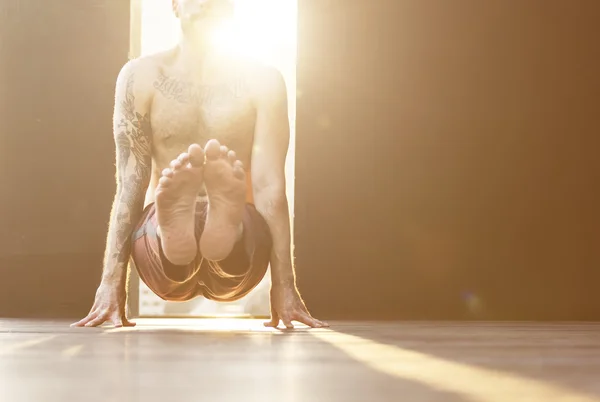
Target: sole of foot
pixel 225 182
pixel 176 205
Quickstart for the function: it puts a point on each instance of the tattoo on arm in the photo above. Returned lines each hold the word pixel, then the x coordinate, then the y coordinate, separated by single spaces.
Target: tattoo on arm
pixel 133 140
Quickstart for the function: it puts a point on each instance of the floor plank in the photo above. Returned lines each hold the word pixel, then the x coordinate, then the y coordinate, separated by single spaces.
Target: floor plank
pixel 233 360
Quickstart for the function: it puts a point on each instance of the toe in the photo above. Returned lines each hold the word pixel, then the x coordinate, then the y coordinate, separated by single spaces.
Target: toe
pixel 231 156
pixel 212 150
pixel 167 173
pixel 224 151
pixel 175 164
pixel 164 181
pixel 238 170
pixel 196 155
pixel 184 158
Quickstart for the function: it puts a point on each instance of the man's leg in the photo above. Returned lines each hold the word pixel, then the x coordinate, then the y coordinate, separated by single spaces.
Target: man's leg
pixel 235 276
pixel 226 280
pixel 176 196
pixel 167 280
pixel 225 182
pixel 165 245
pixel 166 248
pixel 235 242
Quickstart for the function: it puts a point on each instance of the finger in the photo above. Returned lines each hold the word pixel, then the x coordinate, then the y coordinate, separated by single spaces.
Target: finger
pixel 288 323
pixel 121 321
pixel 273 323
pixel 322 324
pixel 274 319
pixel 308 320
pixel 117 321
pixel 96 321
pixel 85 320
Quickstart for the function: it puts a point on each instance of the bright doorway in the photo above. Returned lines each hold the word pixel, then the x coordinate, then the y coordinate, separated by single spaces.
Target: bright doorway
pixel 266 31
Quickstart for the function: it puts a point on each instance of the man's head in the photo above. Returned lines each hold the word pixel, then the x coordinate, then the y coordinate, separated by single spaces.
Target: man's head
pixel 202 15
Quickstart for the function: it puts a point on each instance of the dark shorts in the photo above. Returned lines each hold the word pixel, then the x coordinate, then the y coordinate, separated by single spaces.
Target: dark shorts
pixel 226 280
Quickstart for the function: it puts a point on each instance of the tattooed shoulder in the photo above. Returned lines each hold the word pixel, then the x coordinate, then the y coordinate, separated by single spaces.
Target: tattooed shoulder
pixel 133 129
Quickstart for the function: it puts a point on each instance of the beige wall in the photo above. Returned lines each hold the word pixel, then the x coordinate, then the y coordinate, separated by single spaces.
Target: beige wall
pixel 448 149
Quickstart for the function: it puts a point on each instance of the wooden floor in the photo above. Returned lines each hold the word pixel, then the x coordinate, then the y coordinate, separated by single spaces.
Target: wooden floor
pixel 240 360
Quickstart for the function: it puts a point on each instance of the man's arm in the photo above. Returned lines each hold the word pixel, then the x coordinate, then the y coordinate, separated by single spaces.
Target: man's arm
pixel 271 141
pixel 133 143
pixel 133 139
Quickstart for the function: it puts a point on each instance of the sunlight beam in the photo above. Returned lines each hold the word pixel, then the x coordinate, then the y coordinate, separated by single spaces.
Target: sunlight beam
pixel 475 383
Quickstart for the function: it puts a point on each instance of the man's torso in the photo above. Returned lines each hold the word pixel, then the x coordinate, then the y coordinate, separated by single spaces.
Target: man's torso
pixel 189 108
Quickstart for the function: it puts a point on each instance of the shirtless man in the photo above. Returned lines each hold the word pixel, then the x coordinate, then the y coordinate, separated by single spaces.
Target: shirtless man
pixel 201 209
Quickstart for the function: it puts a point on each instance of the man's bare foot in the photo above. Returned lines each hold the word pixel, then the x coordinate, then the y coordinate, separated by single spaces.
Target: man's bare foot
pixel 225 182
pixel 176 205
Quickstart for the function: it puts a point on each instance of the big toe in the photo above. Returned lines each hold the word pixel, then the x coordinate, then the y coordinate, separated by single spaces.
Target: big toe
pixel 212 150
pixel 196 155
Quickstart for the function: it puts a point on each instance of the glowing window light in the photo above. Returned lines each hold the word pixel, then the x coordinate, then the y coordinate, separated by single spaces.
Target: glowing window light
pixel 264 30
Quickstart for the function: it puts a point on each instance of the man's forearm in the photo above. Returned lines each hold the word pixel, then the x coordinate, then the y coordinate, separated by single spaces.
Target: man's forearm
pixel 125 215
pixel 275 211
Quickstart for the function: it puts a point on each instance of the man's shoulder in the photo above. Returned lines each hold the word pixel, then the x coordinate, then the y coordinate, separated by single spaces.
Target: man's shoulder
pixel 265 80
pixel 262 72
pixel 145 69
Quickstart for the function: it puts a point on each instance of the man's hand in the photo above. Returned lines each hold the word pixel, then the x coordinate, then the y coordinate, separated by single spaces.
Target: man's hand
pixel 287 305
pixel 108 306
